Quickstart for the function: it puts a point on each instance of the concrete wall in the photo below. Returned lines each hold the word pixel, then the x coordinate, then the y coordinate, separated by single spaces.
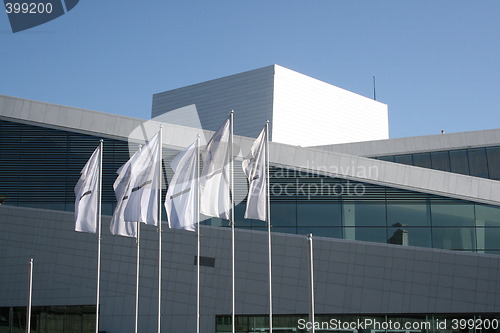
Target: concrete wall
pixel 350 276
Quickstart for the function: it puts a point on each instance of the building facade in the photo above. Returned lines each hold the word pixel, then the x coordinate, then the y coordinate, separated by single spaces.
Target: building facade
pixel 405 231
pixel 293 103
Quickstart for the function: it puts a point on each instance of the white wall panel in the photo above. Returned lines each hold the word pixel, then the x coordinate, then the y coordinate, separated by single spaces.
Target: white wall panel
pixel 309 112
pixel 304 111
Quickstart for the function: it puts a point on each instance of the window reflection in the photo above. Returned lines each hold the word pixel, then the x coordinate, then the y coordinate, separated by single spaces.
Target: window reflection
pixel 414 236
pixel 422 160
pixel 452 214
pixel 440 161
pixel 412 214
pixel 404 159
pixel 283 214
pixel 370 234
pixel 369 214
pixel 454 238
pixel 332 232
pixel 493 156
pixel 477 162
pixel 459 162
pixel 318 214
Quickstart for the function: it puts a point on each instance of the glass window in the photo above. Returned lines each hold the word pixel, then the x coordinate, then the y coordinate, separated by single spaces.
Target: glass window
pixel 413 236
pixel 410 214
pixel 487 216
pixel 459 162
pixel 404 159
pixel 477 162
pixel 487 239
pixel 488 227
pixel 454 238
pixel 333 232
pixel 440 160
pixel 452 214
pixel 369 214
pixel 4 318
pixel 318 214
pixel 214 221
pixel 283 214
pixel 374 234
pixel 385 158
pixel 258 224
pixel 239 213
pixel 422 160
pixel 285 230
pixel 493 154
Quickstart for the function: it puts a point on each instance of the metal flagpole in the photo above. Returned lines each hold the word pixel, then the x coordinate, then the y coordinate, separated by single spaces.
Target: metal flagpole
pixel 269 231
pixel 232 218
pixel 198 234
pixel 99 239
pixel 311 281
pixel 137 277
pixel 30 292
pixel 159 225
pixel 137 272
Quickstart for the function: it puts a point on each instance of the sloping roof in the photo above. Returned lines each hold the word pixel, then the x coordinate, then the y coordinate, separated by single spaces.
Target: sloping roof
pixel 312 160
pixel 417 144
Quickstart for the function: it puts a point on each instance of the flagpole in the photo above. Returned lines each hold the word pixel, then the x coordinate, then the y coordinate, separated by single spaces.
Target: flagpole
pixel 137 277
pixel 311 281
pixel 30 293
pixel 99 212
pixel 159 225
pixel 268 210
pixel 137 272
pixel 198 234
pixel 232 218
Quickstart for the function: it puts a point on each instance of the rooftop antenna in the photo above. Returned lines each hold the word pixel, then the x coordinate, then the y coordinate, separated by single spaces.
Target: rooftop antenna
pixel 374 91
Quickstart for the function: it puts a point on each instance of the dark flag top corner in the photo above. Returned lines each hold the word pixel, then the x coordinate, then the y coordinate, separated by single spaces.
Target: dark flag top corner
pixel 27 14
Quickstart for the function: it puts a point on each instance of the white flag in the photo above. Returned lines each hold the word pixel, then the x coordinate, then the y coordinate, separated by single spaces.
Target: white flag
pixel 254 166
pixel 142 193
pixel 181 195
pixel 121 186
pixel 87 196
pixel 214 181
pixel 136 191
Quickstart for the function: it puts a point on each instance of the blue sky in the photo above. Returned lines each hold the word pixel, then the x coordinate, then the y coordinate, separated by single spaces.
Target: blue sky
pixel 437 63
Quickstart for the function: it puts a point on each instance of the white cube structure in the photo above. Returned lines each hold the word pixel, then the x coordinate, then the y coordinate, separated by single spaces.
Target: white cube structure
pixel 302 110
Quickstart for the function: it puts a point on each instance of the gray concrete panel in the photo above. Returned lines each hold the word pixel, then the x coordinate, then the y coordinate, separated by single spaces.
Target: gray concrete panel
pixel 350 276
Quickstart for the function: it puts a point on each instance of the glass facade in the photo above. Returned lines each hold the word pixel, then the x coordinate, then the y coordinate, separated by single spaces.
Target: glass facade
pixel 39 168
pixel 303 203
pixel 49 319
pixel 481 162
pixel 397 323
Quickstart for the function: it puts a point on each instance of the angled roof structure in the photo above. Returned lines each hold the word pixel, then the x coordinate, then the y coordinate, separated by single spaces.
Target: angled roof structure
pixel 314 160
pixel 303 110
pixel 418 144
